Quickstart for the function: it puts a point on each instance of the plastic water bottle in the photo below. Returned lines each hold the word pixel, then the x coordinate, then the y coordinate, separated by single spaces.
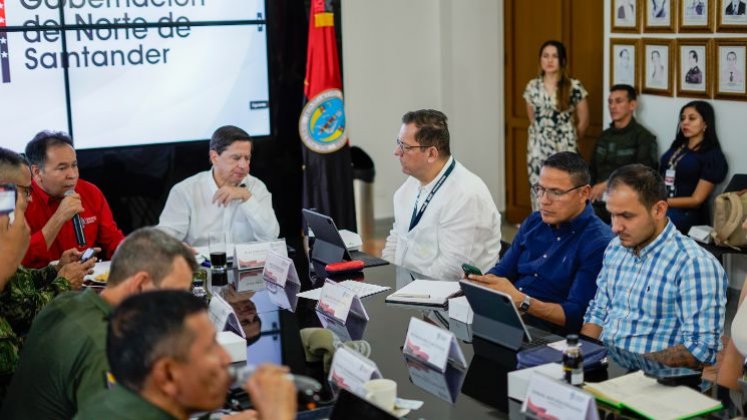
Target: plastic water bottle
pixel 573 361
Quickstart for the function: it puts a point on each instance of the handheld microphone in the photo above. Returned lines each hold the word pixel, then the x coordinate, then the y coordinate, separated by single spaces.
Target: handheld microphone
pixel 80 236
pixel 304 384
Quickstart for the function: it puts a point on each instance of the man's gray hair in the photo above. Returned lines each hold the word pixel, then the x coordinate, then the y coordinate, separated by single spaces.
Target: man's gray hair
pixel 150 250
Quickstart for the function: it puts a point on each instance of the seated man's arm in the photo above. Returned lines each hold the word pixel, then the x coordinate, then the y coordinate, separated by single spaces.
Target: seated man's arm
pixel 701 305
pixel 91 376
pixel 596 313
pixel 584 284
pixel 259 212
pixel 176 214
pixel 390 249
pixel 732 364
pixel 648 151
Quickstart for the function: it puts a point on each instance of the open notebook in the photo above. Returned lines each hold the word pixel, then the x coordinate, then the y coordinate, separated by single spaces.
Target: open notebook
pixel 426 292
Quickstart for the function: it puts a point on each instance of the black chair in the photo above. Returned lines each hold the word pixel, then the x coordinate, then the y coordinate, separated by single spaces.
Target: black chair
pixel 738 182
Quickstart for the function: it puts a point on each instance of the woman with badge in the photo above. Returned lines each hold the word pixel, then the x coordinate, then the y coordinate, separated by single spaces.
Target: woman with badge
pixel 692 166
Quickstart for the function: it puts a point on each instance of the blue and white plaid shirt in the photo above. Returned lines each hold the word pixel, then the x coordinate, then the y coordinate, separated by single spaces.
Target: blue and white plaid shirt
pixel 673 292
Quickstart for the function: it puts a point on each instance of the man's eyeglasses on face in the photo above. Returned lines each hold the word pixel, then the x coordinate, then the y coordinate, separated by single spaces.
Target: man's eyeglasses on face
pixel 26 189
pixel 552 193
pixel 405 147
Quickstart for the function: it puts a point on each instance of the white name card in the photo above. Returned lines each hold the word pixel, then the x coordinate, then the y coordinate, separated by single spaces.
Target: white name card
pixel 432 345
pixel 337 301
pixel 223 316
pixel 350 370
pixel 254 254
pixel 549 398
pixel 279 269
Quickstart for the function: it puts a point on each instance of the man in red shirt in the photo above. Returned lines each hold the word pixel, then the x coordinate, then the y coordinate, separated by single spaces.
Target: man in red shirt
pixel 54 167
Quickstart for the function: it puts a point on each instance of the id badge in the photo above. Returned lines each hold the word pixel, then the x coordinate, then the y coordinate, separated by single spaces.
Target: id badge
pixel 669 177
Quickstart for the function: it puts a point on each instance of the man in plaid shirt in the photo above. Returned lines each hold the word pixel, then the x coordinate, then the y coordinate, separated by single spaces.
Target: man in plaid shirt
pixel 658 292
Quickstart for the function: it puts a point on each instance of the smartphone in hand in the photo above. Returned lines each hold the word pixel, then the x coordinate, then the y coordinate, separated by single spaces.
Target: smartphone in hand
pixel 470 269
pixel 88 253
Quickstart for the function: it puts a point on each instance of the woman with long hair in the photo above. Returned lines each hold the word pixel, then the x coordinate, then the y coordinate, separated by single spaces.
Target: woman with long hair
pixel 692 166
pixel 552 100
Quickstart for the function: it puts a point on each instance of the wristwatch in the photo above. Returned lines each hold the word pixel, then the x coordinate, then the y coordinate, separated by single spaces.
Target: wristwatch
pixel 525 304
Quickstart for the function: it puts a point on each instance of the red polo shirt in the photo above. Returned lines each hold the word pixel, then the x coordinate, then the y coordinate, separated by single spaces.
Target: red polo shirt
pixel 100 228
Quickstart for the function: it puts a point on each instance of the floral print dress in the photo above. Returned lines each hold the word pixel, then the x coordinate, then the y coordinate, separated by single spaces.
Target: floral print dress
pixel 552 131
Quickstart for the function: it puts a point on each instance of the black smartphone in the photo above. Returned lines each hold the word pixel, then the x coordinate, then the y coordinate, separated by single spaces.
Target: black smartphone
pixel 676 376
pixel 471 269
pixel 87 254
pixel 7 198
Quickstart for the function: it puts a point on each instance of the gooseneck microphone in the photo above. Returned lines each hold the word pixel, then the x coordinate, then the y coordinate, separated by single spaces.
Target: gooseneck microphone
pixel 80 236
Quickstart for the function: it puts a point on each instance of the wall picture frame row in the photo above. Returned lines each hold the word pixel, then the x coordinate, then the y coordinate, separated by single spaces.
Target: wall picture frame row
pixel 699 68
pixel 669 16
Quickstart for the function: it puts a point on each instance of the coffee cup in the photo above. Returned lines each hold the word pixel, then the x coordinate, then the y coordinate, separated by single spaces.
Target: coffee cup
pixel 382 392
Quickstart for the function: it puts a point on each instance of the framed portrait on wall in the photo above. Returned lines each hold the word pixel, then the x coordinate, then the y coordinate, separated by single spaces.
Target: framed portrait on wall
pixel 659 15
pixel 694 68
pixel 624 62
pixel 658 62
pixel 731 67
pixel 626 16
pixel 695 15
pixel 732 15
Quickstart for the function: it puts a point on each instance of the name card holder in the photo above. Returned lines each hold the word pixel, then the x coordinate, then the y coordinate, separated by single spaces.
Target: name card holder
pixel 339 302
pixel 549 398
pixel 280 269
pixel 223 316
pixel 350 370
pixel 253 255
pixel 432 345
pixel 445 385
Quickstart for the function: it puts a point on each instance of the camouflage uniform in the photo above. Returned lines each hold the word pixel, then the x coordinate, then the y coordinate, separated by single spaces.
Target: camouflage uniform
pixel 24 296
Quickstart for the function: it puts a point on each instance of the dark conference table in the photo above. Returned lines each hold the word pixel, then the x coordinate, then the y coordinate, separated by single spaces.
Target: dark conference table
pixel 484 384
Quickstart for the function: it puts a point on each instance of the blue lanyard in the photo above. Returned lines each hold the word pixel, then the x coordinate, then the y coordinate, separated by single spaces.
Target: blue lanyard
pixel 417 214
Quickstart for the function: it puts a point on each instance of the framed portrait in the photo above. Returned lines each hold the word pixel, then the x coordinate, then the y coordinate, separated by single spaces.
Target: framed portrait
pixel 731 68
pixel 658 62
pixel 694 68
pixel 624 62
pixel 732 16
pixel 659 15
pixel 695 15
pixel 626 16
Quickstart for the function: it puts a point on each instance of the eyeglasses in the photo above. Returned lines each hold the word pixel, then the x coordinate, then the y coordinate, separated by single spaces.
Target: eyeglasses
pixel 404 147
pixel 26 189
pixel 553 193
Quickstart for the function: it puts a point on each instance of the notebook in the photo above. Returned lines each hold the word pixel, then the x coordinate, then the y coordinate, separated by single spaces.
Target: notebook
pixel 359 288
pixel 426 292
pixel 645 396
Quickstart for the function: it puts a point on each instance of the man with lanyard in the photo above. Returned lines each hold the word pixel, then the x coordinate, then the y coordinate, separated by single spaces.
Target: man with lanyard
pixel 444 214
pixel 551 269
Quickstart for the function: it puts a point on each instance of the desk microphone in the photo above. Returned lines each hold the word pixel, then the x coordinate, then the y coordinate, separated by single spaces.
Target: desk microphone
pixel 77 224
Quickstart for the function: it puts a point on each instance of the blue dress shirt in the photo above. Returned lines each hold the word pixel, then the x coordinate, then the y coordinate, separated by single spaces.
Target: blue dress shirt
pixel 558 265
pixel 672 292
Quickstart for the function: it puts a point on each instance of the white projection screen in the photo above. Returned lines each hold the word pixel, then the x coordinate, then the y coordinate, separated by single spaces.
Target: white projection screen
pixel 132 72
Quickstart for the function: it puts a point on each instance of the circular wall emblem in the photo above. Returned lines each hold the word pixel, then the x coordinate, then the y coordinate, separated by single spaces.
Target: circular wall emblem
pixel 322 122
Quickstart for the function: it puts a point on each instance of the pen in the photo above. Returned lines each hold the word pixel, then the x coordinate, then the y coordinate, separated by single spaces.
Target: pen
pixel 412 295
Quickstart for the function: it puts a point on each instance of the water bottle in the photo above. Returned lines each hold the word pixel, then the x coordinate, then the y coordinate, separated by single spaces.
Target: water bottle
pixel 573 361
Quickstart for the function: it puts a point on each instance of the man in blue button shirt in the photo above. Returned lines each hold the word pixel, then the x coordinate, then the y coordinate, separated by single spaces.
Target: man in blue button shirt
pixel 659 293
pixel 551 268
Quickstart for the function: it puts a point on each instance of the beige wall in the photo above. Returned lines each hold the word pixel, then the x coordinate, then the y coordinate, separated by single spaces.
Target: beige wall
pixel 444 54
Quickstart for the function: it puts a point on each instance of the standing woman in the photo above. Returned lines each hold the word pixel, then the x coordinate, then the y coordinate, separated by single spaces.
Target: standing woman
pixel 692 166
pixel 551 99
